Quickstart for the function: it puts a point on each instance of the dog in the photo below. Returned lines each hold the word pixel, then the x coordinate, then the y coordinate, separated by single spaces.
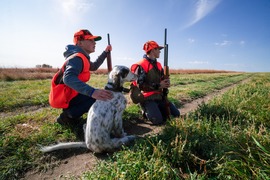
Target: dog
pixel 104 130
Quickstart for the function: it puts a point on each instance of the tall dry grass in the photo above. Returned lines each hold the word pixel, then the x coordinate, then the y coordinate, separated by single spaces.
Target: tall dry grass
pixel 198 71
pixel 11 74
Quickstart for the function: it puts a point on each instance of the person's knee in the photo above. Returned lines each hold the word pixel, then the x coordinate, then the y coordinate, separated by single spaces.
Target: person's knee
pixel 156 120
pixel 152 112
pixel 176 113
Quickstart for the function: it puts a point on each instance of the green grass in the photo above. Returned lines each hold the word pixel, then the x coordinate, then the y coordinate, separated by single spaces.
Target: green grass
pixel 210 144
pixel 230 134
pixel 189 87
pixel 249 103
pixel 19 139
pixel 16 94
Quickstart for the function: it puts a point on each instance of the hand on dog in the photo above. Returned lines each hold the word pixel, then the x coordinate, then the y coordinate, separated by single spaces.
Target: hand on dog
pixel 101 94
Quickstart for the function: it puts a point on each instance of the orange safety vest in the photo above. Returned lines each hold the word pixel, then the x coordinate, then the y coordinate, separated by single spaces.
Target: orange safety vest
pixel 61 94
pixel 147 66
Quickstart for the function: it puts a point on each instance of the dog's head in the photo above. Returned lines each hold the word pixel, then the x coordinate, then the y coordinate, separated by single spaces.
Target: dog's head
pixel 118 76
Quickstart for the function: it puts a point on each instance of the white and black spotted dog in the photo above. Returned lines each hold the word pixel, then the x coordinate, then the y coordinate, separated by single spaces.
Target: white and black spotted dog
pixel 104 131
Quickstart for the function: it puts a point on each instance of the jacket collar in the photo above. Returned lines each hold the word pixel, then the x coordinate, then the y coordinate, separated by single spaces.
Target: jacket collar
pixel 149 59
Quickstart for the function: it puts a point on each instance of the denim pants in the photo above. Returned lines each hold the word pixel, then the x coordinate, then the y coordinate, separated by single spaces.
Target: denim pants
pixel 78 106
pixel 155 111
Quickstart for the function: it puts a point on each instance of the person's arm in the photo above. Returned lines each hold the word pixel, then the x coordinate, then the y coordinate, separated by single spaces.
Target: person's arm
pixel 141 76
pixel 95 65
pixel 165 82
pixel 73 68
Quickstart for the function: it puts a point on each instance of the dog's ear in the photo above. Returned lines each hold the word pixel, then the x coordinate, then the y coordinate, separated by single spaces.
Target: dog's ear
pixel 117 81
pixel 124 72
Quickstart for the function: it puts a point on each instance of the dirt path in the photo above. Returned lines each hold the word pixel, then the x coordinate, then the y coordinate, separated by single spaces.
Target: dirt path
pixel 84 160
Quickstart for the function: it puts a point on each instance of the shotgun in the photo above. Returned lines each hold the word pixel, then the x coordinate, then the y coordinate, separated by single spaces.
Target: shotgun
pixel 166 75
pixel 109 58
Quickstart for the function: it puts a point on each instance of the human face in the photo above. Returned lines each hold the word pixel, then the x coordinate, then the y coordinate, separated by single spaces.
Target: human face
pixel 156 52
pixel 88 45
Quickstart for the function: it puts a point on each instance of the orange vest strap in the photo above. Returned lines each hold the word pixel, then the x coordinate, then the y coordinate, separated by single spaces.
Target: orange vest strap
pixel 61 94
pixel 147 66
pixel 146 94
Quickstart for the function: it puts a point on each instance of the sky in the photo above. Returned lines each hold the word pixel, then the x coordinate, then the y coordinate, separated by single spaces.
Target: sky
pixel 231 35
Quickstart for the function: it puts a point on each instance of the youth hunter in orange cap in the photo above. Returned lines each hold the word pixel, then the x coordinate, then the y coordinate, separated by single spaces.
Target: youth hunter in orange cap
pixel 84 34
pixel 149 45
pixel 69 88
pixel 148 89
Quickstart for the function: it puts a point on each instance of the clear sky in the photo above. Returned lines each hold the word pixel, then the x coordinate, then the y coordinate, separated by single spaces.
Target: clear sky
pixel 202 34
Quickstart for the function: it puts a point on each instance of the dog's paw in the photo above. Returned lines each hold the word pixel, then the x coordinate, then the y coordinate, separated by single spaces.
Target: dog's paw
pixel 131 137
pixel 127 139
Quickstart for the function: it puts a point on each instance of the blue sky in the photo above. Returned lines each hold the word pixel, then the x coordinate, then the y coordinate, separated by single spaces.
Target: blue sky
pixel 202 34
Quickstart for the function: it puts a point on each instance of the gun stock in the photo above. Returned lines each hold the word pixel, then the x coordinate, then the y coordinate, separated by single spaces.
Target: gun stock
pixel 109 58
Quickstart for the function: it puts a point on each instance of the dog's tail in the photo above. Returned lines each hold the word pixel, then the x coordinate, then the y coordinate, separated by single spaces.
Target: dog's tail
pixel 59 146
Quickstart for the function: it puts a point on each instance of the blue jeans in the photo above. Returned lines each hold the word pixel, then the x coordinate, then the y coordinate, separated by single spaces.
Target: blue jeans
pixel 155 111
pixel 78 106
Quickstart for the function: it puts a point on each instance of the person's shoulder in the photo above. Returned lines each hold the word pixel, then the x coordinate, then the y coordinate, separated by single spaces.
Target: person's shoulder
pixel 71 50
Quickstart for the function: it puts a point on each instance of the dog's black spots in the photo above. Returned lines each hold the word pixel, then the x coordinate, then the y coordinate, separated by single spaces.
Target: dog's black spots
pixel 103 140
pixel 104 127
pixel 102 114
pixel 124 72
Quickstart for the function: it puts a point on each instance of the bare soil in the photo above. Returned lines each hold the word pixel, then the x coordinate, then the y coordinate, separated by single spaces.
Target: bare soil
pixel 78 161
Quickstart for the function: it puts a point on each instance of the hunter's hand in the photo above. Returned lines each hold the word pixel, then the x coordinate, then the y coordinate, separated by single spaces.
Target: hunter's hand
pixel 108 48
pixel 101 94
pixel 165 83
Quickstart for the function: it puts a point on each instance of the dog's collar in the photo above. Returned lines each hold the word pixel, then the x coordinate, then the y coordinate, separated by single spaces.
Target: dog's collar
pixel 119 89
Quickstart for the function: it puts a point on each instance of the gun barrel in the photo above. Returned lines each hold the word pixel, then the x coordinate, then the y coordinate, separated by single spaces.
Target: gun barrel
pixel 108 36
pixel 166 73
pixel 165 37
pixel 166 67
pixel 166 47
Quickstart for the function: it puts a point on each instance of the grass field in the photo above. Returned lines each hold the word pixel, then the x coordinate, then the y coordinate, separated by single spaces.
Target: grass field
pixel 227 138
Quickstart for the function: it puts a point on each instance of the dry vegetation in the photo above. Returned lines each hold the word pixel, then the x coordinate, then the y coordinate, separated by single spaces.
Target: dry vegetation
pixel 11 74
pixel 198 71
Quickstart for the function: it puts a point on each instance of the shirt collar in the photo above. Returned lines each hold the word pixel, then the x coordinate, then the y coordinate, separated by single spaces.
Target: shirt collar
pixel 149 59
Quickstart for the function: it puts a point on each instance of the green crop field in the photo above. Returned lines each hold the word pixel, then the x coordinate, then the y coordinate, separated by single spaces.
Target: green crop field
pixel 228 138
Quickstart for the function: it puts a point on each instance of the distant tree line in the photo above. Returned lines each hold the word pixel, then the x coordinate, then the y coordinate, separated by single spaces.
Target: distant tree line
pixel 43 66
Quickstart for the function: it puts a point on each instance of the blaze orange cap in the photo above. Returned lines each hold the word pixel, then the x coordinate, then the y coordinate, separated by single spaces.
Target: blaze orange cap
pixel 149 45
pixel 84 34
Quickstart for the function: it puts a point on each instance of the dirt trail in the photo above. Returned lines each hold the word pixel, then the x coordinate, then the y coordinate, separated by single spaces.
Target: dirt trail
pixel 84 160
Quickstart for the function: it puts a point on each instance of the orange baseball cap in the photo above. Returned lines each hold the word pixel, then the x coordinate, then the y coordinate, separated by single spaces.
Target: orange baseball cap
pixel 84 34
pixel 149 45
